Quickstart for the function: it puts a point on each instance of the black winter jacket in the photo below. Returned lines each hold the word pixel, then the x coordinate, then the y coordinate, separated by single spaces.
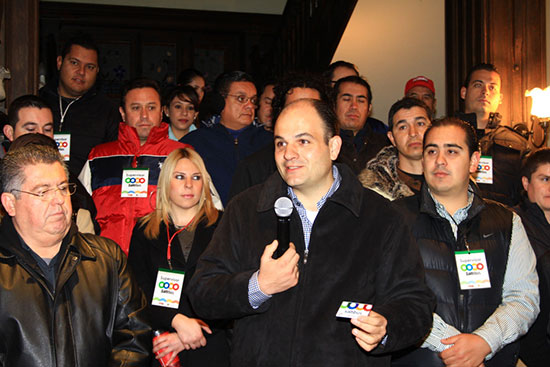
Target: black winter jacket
pixel 359 251
pixel 359 149
pixel 535 345
pixel 91 120
pixel 488 227
pixel 507 148
pixel 93 318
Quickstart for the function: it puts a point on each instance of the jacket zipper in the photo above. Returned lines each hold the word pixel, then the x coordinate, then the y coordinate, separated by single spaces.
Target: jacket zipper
pixel 300 302
pixel 298 313
pixel 461 296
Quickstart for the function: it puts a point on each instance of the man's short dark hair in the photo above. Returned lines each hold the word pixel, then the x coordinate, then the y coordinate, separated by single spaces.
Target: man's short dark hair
pixel 33 138
pixel 15 161
pixel 187 76
pixel 533 161
pixel 264 85
pixel 28 100
pixel 330 120
pixel 355 80
pixel 297 80
pixel 481 66
pixel 224 81
pixel 80 39
pixel 138 83
pixel 471 137
pixel 406 104
pixel 327 115
pixel 329 73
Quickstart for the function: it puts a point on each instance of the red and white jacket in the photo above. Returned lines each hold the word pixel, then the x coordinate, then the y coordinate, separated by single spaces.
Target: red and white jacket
pixel 102 177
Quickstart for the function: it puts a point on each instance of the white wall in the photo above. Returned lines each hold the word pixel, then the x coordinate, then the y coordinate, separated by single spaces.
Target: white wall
pixel 244 6
pixel 392 41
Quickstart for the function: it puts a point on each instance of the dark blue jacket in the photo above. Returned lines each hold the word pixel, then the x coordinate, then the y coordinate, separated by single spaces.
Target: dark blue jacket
pixel 221 152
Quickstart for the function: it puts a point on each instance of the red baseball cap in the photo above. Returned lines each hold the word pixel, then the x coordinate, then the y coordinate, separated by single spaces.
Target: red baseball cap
pixel 420 81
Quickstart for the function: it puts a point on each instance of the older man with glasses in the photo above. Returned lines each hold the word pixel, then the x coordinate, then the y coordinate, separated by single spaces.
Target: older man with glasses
pixel 68 298
pixel 232 136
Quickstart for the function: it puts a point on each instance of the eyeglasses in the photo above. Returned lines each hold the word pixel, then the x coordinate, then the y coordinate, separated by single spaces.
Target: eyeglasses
pixel 66 189
pixel 242 99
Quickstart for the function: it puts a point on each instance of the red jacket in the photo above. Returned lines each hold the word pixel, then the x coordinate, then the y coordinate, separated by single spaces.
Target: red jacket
pixel 102 176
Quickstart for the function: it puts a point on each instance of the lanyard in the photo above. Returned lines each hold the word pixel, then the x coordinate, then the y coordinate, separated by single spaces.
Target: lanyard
pixel 63 113
pixel 170 239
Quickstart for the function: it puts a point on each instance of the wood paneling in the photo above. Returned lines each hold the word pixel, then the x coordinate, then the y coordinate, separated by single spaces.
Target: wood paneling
pixel 305 37
pixel 21 47
pixel 508 33
pixel 239 37
pixel 310 34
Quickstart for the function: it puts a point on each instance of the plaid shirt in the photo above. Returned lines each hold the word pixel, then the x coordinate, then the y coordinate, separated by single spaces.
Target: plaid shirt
pixel 306 224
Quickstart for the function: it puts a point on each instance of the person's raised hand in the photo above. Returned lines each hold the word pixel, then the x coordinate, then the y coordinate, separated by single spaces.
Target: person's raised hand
pixel 278 275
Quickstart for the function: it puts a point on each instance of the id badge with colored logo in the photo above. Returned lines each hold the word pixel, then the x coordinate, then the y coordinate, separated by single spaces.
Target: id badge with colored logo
pixel 472 269
pixel 168 288
pixel 352 310
pixel 484 172
pixel 135 183
pixel 63 141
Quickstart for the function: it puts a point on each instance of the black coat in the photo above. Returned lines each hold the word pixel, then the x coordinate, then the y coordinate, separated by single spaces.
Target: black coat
pixel 92 120
pixel 145 258
pixel 94 318
pixel 466 310
pixel 507 148
pixel 535 345
pixel 359 149
pixel 359 251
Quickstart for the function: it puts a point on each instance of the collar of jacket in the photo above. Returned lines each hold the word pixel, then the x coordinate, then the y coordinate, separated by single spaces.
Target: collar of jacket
pixel 10 249
pixel 532 209
pixel 349 194
pixel 128 135
pixel 386 160
pixel 52 88
pixel 365 131
pixel 224 130
pixel 427 204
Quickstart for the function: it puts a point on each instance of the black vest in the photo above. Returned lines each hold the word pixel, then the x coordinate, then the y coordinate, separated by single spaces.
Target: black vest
pixel 488 227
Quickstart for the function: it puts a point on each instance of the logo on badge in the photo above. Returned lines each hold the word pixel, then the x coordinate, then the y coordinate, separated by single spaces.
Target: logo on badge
pixel 134 180
pixel 473 266
pixel 168 285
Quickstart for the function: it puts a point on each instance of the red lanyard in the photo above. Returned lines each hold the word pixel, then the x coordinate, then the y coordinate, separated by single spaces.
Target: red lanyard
pixel 170 239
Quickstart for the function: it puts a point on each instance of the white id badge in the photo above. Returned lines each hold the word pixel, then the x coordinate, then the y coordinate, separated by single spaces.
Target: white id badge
pixel 472 269
pixel 63 141
pixel 351 310
pixel 484 172
pixel 168 288
pixel 135 183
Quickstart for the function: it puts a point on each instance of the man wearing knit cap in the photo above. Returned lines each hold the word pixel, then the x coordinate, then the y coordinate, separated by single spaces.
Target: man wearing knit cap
pixel 423 89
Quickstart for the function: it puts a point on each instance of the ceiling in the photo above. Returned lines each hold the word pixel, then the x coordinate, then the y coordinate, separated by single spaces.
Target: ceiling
pixel 240 6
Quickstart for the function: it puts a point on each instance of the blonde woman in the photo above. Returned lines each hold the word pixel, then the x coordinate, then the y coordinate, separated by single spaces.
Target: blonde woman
pixel 167 243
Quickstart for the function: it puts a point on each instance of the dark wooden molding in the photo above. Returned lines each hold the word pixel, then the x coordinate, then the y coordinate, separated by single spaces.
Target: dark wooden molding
pixel 310 34
pixel 466 44
pixel 129 17
pixel 305 37
pixel 242 39
pixel 21 47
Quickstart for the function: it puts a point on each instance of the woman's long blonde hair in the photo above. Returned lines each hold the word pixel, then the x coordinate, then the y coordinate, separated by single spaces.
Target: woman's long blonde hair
pixel 207 210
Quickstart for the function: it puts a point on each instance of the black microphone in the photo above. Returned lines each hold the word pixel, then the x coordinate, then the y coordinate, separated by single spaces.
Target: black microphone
pixel 283 209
